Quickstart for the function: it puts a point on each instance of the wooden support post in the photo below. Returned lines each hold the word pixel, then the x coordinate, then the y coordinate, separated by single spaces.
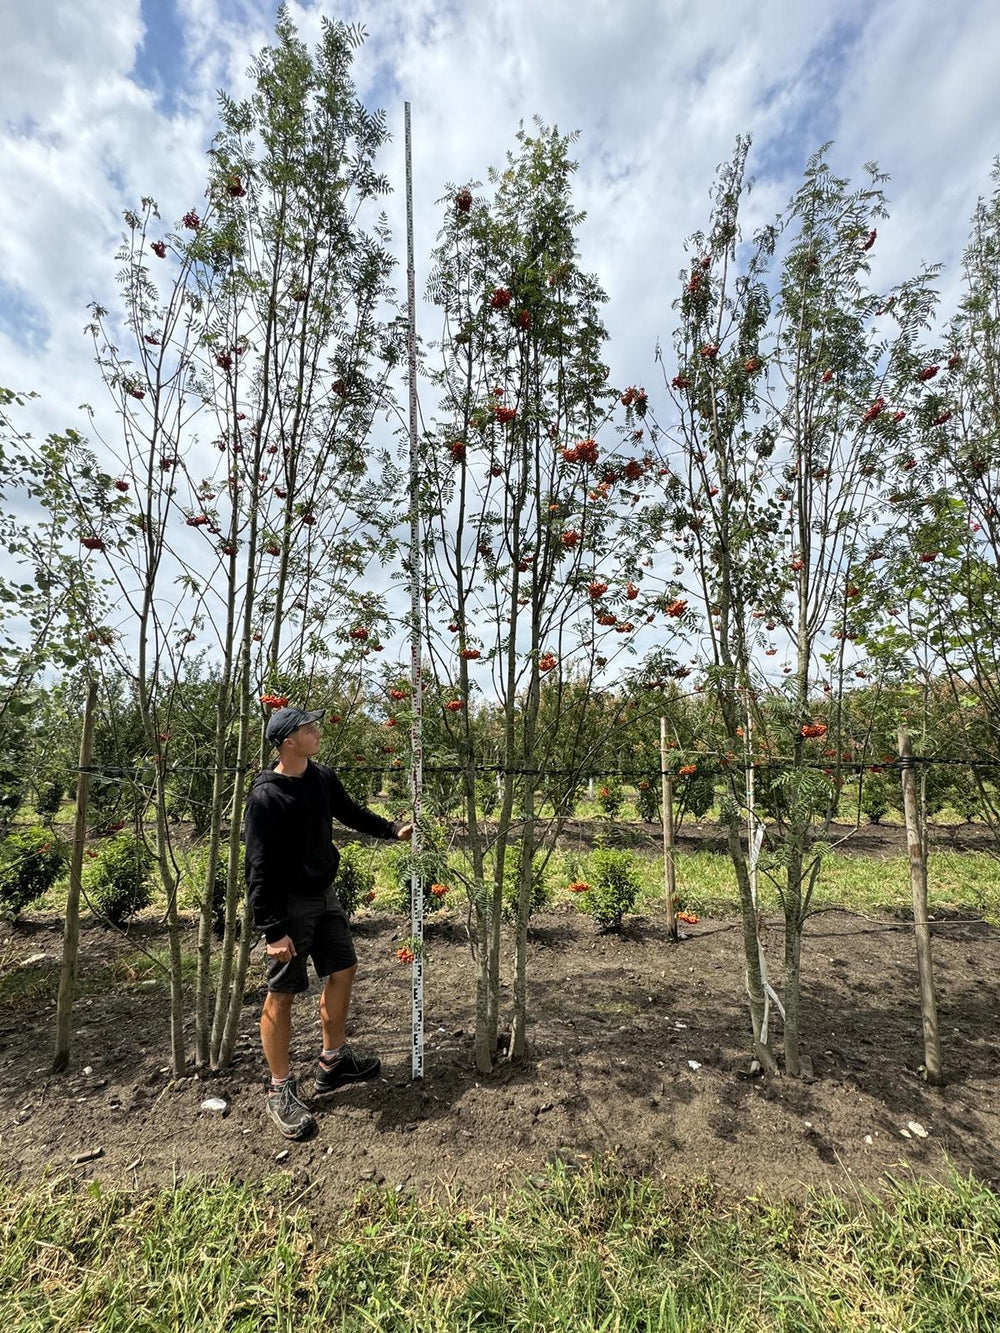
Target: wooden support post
pixel 667 802
pixel 71 928
pixel 918 884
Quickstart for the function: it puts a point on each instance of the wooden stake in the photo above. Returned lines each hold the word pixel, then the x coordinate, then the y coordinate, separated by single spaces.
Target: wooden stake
pixel 667 801
pixel 71 928
pixel 918 885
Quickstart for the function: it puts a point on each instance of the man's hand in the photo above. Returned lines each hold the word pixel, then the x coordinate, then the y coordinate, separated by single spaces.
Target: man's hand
pixel 404 832
pixel 283 951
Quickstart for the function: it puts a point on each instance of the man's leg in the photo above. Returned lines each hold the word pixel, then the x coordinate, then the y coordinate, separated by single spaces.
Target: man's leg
pixel 333 1006
pixel 276 1032
pixel 338 1064
pixel 288 1112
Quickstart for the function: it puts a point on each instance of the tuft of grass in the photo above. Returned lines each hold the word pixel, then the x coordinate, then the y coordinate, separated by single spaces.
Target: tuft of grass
pixel 590 1249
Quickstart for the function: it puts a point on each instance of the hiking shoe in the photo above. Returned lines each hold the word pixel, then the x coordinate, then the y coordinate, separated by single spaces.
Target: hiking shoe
pixel 347 1068
pixel 288 1112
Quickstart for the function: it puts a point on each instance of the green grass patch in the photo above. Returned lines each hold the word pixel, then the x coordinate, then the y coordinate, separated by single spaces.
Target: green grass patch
pixel 595 1250
pixel 22 987
pixel 957 881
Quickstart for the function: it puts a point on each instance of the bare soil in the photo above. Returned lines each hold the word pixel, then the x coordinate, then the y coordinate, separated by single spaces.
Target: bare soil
pixel 638 1047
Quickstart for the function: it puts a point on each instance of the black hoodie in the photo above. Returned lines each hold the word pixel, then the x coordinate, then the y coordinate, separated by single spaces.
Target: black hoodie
pixel 288 829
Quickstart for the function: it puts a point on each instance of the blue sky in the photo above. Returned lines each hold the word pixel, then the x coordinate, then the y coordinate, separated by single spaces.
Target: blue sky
pixel 159 60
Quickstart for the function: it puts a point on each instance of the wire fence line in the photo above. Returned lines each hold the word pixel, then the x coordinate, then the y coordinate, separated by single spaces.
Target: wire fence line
pixel 724 765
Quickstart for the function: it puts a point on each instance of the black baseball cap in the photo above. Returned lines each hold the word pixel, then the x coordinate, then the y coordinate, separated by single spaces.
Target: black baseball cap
pixel 286 720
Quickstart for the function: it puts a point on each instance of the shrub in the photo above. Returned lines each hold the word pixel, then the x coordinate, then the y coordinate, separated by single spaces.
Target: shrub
pixel 875 797
pixel 50 799
pixel 487 795
pixel 611 798
pixel 432 864
pixel 30 863
pixel 614 882
pixel 118 880
pixel 699 794
pixel 193 883
pixel 540 895
pixel 647 801
pixel 355 882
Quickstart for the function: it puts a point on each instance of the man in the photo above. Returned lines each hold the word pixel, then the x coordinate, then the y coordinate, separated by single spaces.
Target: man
pixel 291 864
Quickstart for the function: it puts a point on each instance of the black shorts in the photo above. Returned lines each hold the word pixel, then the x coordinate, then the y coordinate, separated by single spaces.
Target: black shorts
pixel 321 931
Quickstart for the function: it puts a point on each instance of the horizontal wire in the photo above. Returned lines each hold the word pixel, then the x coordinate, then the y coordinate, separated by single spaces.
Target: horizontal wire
pixel 582 775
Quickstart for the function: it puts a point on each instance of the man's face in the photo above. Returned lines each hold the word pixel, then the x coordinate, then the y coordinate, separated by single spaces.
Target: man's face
pixel 304 741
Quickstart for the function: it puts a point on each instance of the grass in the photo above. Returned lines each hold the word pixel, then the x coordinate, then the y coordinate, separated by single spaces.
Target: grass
pixel 590 1250
pixel 28 986
pixel 706 884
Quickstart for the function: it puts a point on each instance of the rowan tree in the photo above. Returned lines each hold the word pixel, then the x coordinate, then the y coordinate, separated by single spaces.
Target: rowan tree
pixel 528 571
pixel 783 375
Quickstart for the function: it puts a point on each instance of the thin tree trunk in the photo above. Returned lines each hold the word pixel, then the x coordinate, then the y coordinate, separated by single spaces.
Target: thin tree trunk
pixel 71 928
pixel 235 1009
pixel 792 996
pixel 751 951
pixel 667 798
pixel 203 985
pixel 485 1051
pixel 793 950
pixel 520 1016
pixel 918 884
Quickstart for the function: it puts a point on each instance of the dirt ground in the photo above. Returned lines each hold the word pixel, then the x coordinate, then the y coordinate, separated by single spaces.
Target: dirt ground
pixel 638 1047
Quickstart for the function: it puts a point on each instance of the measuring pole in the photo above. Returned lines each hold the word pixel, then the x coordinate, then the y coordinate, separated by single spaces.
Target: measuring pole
pixel 416 624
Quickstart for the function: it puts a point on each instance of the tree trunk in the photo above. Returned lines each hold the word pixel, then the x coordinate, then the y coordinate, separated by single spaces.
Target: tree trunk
pixel 71 929
pixel 667 798
pixel 792 996
pixel 751 951
pixel 793 950
pixel 915 846
pixel 520 1015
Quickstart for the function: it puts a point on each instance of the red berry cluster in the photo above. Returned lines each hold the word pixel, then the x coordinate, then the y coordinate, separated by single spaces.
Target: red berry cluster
pixel 584 452
pixel 812 730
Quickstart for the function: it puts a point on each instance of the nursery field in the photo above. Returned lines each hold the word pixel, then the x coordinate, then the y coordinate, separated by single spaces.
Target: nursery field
pixel 638 1048
pixel 634 1116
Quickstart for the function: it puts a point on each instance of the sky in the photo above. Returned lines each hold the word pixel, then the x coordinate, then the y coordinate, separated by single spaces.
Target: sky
pixel 101 104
